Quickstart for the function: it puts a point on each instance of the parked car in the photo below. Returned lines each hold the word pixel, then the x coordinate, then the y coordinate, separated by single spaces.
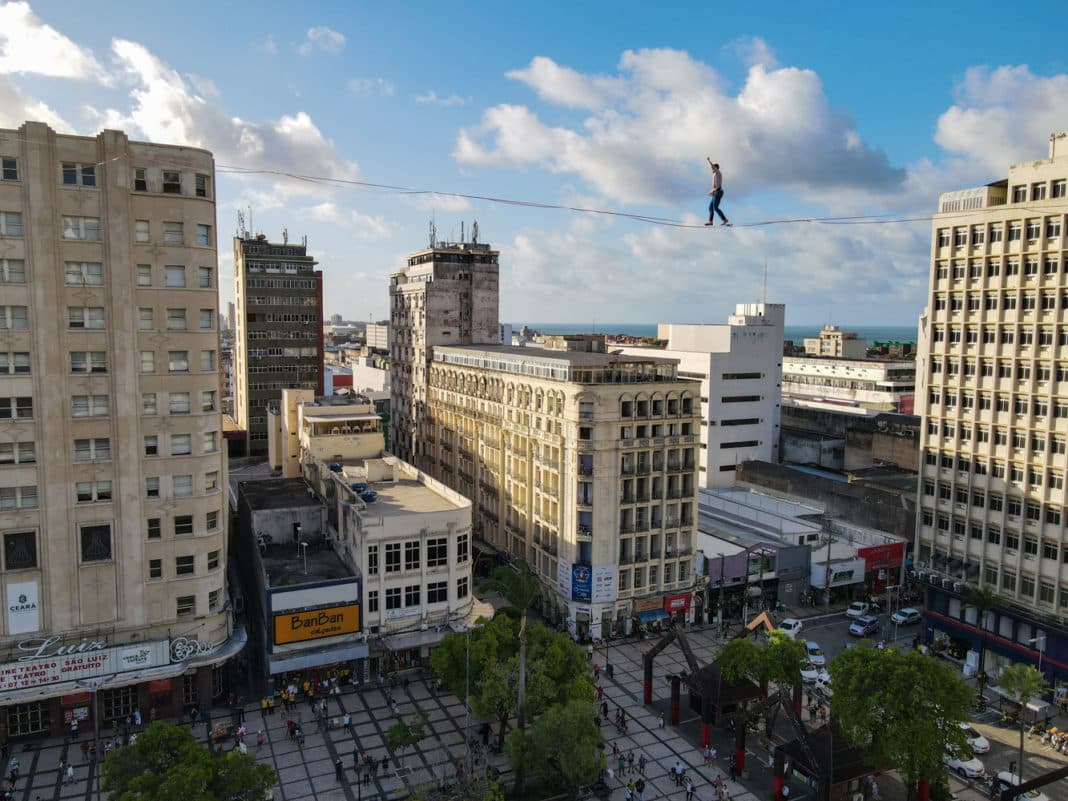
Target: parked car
pixel 791 626
pixel 865 625
pixel 815 654
pixel 823 687
pixel 978 742
pixel 905 617
pixel 965 768
pixel 1006 780
pixel 857 609
pixel 810 674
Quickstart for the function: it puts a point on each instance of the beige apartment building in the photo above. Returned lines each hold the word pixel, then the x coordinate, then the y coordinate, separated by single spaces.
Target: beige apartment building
pixel 993 376
pixel 579 461
pixel 836 343
pixel 112 510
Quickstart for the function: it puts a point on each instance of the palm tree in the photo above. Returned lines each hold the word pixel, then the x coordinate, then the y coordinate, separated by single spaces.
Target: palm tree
pixel 519 587
pixel 983 599
pixel 1022 683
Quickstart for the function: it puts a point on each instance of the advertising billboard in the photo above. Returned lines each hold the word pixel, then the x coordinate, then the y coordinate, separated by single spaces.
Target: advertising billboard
pixel 315 624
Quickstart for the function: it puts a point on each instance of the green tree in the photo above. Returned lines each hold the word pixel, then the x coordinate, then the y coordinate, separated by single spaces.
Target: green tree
pixel 520 587
pixel 1022 683
pixel 565 743
pixel 777 661
pixel 982 599
pixel 405 734
pixel 166 763
pixel 490 642
pixel 904 709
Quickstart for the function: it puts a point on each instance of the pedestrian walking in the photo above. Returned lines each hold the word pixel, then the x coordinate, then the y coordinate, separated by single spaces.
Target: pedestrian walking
pixel 733 769
pixel 630 762
pixel 70 774
pixel 600 693
pixel 678 773
pixel 347 721
pixel 660 721
pixel 639 789
pixel 137 717
pixel 604 710
pixel 339 771
pixel 74 728
pixel 689 790
pixel 628 794
pixel 641 764
pixel 622 764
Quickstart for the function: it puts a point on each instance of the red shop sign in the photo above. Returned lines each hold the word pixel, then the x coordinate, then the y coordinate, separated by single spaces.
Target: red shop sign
pixel 159 686
pixel 75 699
pixel 677 603
pixel 882 556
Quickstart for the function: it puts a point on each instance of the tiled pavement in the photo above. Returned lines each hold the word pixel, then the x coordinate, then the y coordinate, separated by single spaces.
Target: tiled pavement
pixel 308 772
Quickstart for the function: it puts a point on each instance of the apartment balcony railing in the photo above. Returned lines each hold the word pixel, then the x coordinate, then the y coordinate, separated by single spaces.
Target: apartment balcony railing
pixel 585 470
pixel 626 528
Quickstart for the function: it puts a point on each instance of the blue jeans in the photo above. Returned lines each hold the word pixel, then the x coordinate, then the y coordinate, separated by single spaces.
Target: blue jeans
pixel 713 207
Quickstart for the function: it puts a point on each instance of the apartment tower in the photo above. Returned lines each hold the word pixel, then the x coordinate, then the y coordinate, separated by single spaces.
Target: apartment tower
pixel 278 329
pixel 447 295
pixel 112 509
pixel 993 389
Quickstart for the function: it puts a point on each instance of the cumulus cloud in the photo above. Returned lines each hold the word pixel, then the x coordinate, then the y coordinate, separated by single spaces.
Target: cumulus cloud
pixel 167 109
pixel 1003 115
pixel 28 45
pixel 322 38
pixel 365 226
pixel 649 129
pixel 366 87
pixel 436 202
pixel 432 97
pixel 753 50
pixel 268 46
pixel 16 108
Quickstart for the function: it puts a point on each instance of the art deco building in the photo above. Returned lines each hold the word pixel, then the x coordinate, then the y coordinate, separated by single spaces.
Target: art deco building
pixel 278 330
pixel 112 510
pixel 993 375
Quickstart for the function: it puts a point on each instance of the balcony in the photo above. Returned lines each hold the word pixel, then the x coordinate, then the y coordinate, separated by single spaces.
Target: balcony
pixel 625 559
pixel 643 470
pixel 627 469
pixel 585 470
pixel 626 528
pixel 639 556
pixel 584 531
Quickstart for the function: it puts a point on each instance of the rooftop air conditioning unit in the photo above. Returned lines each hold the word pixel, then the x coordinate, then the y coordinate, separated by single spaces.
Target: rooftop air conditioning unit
pixel 947 584
pixel 958 586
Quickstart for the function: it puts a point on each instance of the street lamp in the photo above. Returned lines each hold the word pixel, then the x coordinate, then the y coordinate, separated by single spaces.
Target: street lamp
pixel 1040 647
pixel 93 685
pixel 467 703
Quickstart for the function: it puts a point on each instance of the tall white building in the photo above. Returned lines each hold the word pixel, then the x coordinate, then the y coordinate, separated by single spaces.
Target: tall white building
pixel 113 518
pixel 739 365
pixel 993 368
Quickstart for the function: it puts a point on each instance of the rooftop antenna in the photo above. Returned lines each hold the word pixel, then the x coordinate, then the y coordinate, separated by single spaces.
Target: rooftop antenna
pixel 461 232
pixel 433 232
pixel 250 225
pixel 241 230
pixel 474 232
pixel 285 236
pixel 765 301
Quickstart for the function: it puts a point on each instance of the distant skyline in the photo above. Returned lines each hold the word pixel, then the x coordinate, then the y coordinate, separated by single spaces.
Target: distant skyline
pixel 812 113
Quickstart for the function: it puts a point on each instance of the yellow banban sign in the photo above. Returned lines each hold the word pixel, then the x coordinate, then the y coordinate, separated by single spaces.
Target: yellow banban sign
pixel 315 624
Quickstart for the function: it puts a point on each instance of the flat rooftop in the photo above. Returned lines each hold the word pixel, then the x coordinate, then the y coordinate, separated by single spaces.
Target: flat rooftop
pixel 402 496
pixel 283 565
pixel 574 357
pixel 278 493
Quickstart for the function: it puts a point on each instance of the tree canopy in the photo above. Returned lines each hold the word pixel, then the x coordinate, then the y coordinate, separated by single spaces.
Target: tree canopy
pixel 491 642
pixel 166 763
pixel 404 734
pixel 564 744
pixel 778 660
pixel 903 708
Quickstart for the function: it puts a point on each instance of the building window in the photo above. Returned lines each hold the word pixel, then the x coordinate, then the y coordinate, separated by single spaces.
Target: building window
pixel 461 548
pixel 155 568
pixel 83 273
pixel 140 179
pixel 79 174
pixel 209 441
pixel 12 271
pixel 178 402
pixel 213 560
pixel 207 319
pixel 437 552
pixel 184 565
pixel 96 543
pixel 393 557
pixel 211 481
pixel 141 231
pixel 144 275
pixel 393 598
pixel 17 363
pixel 152 487
pixel 18 498
pixel 31 718
pixel 10 170
pixel 10 223
pixel 118 704
pixel 92 491
pixel 208 400
pixel 86 229
pixel 176 320
pixel 411 556
pixel 207 361
pixel 172 183
pixel 148 361
pixel 95 449
pixel 185 606
pixel 89 406
pixel 437 592
pixel 213 600
pixel 20 550
pixel 182 486
pixel 412 595
pixel 88 317
pixel 174 233
pixel 190 690
pixel 204 235
pixel 14 318
pixel 372 560
pixel 175 276
pixel 181 444
pixel 146 318
pixel 462 587
pixel 18 453
pixel 153 529
pixel 151 445
pixel 178 361
pixel 205 277
pixel 211 521
pixel 372 601
pixel 148 404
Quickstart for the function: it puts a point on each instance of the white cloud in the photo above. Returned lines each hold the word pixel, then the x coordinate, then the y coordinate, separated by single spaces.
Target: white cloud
pixel 268 46
pixel 365 87
pixel 28 45
pixel 165 109
pixel 366 226
pixel 753 50
pixel 1003 115
pixel 650 128
pixel 16 108
pixel 205 86
pixel 432 97
pixel 436 202
pixel 322 38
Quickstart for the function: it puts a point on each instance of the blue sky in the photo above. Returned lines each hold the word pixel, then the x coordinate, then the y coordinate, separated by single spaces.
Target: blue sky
pixel 813 111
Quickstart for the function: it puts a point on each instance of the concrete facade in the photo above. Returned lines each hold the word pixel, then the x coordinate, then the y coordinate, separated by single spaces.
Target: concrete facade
pixel 876 384
pixel 328 428
pixel 113 515
pixel 446 295
pixel 995 410
pixel 836 343
pixel 739 365
pixel 581 462
pixel 278 336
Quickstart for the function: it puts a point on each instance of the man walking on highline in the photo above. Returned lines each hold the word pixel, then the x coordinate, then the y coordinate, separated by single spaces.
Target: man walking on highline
pixel 716 194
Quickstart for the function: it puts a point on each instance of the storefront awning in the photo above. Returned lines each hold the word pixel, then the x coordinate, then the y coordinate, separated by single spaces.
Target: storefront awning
pixel 652 615
pixel 302 660
pixel 411 639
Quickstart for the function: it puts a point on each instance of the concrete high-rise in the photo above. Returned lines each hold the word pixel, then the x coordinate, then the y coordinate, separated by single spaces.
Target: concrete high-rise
pixel 113 516
pixel 447 295
pixel 992 370
pixel 278 330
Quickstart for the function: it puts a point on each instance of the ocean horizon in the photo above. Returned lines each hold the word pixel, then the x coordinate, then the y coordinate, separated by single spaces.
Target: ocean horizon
pixel 870 333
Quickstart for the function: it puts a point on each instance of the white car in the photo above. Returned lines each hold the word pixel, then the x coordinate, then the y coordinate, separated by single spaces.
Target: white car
pixel 857 608
pixel 1006 780
pixel 823 686
pixel 791 627
pixel 965 768
pixel 815 654
pixel 905 617
pixel 979 744
pixel 811 674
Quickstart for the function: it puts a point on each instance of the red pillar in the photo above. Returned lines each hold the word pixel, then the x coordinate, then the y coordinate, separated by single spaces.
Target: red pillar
pixel 647 687
pixel 924 790
pixel 797 700
pixel 676 693
pixel 706 734
pixel 778 775
pixel 739 759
